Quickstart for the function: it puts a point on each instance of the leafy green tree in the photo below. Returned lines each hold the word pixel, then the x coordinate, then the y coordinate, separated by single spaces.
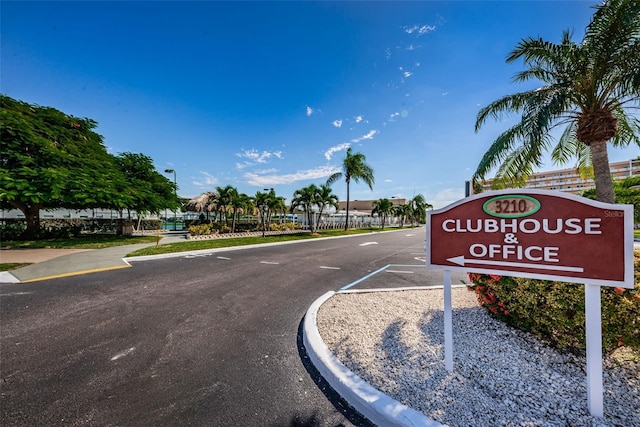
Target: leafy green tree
pixel 147 190
pixel 354 166
pixel 382 207
pixel 53 160
pixel 588 87
pixel 225 197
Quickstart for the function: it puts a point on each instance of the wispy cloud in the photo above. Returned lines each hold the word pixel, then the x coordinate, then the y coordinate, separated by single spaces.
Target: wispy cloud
pixel 258 179
pixel 420 29
pixel 256 156
pixel 358 119
pixel 329 153
pixel 205 180
pixel 369 135
pixel 337 123
pixel 309 111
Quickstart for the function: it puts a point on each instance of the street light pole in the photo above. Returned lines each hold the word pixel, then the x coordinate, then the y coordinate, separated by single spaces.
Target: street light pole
pixel 175 189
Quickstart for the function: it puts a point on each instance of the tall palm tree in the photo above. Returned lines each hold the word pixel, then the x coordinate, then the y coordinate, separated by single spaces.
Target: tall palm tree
pixel 354 166
pixel 588 87
pixel 382 207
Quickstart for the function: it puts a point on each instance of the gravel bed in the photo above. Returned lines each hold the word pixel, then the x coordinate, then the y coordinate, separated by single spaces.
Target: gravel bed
pixel 501 377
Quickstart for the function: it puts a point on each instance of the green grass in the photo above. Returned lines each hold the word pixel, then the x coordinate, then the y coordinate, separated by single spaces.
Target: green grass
pixel 636 233
pixel 12 265
pixel 86 241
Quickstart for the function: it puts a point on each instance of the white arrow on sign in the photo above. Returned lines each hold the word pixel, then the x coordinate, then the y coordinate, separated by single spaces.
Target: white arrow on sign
pixel 461 260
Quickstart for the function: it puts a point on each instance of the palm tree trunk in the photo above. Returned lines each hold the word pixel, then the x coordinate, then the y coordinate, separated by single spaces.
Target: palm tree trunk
pixel 601 171
pixel 346 222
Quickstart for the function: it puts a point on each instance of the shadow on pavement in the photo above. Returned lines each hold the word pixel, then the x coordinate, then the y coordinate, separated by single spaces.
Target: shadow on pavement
pixel 336 400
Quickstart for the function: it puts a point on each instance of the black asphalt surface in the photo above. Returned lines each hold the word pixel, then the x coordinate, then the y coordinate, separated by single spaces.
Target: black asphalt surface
pixel 204 341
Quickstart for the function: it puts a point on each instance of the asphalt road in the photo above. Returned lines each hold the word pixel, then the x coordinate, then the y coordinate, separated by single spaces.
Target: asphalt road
pixel 206 341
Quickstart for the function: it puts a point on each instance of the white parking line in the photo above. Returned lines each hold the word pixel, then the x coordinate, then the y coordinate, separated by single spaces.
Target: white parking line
pixel 329 268
pixel 368 243
pixel 269 262
pixel 400 271
pixel 222 257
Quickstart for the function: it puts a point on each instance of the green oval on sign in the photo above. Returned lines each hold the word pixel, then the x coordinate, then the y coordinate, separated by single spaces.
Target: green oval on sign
pixel 511 206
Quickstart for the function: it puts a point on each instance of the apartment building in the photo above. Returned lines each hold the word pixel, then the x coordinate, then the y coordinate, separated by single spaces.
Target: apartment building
pixel 569 181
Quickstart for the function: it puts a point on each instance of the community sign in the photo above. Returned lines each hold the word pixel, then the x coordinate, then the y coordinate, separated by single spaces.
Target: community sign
pixel 537 234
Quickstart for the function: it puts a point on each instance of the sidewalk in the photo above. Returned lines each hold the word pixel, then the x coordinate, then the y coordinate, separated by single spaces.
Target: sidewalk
pixel 53 263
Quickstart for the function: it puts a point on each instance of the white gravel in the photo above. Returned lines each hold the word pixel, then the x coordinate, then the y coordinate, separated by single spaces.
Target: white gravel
pixel 501 376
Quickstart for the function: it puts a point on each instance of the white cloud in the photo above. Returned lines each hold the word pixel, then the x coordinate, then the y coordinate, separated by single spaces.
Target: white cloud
pixel 257 157
pixel 388 180
pixel 369 135
pixel 205 180
pixel 358 119
pixel 337 123
pixel 275 179
pixel 392 116
pixel 407 74
pixel 329 153
pixel 420 29
pixel 309 111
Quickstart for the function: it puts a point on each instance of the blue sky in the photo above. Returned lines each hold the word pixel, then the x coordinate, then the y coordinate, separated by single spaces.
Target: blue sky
pixel 269 94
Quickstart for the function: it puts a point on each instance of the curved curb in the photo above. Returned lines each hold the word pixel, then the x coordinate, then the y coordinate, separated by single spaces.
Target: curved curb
pixel 370 402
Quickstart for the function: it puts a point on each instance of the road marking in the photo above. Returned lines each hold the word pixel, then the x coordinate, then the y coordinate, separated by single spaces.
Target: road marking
pixel 409 235
pixel 15 294
pixel 222 257
pixel 269 262
pixel 461 260
pixel 368 243
pixel 76 273
pixel 400 271
pixel 122 354
pixel 197 256
pixel 329 268
pixel 362 279
pixel 420 258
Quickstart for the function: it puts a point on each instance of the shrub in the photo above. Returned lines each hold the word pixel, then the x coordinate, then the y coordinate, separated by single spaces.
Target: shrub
pixel 200 230
pixel 554 311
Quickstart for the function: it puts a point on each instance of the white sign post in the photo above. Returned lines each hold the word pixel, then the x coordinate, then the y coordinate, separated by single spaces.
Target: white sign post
pixel 541 235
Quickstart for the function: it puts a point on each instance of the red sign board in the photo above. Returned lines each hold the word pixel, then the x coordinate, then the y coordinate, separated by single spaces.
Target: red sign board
pixel 534 233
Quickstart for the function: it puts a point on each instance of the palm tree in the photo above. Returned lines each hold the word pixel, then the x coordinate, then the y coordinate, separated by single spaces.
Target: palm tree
pixel 306 198
pixel 239 202
pixel 325 198
pixel 225 196
pixel 382 207
pixel 419 208
pixel 402 211
pixel 588 88
pixel 261 201
pixel 354 166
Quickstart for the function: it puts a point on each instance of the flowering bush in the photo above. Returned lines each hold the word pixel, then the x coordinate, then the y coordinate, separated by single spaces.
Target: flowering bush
pixel 554 311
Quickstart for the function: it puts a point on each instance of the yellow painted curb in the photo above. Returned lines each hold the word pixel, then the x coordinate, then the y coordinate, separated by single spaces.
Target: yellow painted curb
pixel 75 273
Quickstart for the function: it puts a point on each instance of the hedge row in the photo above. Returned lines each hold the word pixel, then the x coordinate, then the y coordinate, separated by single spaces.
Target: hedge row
pixel 554 311
pixel 51 228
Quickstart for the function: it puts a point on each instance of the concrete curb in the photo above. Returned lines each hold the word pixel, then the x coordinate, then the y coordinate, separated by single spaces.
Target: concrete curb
pixel 374 405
